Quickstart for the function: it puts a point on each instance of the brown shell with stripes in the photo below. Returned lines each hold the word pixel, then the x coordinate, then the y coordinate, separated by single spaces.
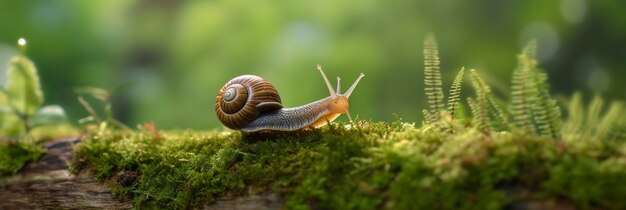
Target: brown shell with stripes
pixel 242 99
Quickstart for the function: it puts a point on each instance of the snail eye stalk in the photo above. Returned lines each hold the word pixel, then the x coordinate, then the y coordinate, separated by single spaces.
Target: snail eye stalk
pixel 338 91
pixel 330 87
pixel 349 92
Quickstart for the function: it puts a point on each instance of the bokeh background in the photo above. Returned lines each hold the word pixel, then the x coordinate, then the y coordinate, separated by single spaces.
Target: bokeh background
pixel 166 59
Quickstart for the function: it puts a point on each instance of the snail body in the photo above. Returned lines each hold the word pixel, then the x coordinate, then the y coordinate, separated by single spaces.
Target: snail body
pixel 251 104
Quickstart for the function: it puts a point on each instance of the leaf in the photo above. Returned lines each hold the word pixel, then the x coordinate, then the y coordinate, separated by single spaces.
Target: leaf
pixel 23 86
pixel 48 115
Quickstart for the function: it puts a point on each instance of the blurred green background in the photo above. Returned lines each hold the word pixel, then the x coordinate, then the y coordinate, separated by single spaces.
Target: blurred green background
pixel 166 59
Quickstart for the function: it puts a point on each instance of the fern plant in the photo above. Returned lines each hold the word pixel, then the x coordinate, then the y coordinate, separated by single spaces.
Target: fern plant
pixel 523 89
pixel 485 111
pixel 547 114
pixel 590 122
pixel 532 107
pixel 487 114
pixel 432 80
pixel 455 92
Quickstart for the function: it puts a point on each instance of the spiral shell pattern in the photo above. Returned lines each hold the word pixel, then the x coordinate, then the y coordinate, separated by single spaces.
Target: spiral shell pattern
pixel 242 99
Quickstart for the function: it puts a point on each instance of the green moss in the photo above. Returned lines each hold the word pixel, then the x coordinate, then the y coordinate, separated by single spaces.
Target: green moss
pixel 379 165
pixel 15 154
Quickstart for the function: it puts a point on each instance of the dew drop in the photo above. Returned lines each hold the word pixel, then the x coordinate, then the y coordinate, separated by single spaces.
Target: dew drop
pixel 21 42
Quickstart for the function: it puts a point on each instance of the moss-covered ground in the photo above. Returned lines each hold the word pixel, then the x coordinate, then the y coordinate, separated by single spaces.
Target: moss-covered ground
pixel 375 166
pixel 15 153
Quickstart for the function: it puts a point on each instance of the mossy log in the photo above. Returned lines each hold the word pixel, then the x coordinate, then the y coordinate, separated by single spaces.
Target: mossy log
pixel 374 166
pixel 49 184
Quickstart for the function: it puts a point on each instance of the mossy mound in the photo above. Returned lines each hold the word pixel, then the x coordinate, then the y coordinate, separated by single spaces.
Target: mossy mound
pixel 15 154
pixel 374 166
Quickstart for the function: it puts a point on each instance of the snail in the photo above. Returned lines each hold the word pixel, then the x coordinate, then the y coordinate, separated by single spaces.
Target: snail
pixel 250 103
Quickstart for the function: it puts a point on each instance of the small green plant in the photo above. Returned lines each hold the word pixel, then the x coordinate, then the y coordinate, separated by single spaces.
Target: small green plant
pixel 455 93
pixel 103 96
pixel 532 108
pixel 21 111
pixel 589 122
pixel 21 99
pixel 487 114
pixel 432 80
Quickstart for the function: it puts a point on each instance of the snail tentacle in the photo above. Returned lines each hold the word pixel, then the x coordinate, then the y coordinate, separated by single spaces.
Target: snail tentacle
pixel 338 90
pixel 349 92
pixel 330 87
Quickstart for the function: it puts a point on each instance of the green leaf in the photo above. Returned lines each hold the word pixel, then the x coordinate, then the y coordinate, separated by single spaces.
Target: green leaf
pixel 23 86
pixel 51 114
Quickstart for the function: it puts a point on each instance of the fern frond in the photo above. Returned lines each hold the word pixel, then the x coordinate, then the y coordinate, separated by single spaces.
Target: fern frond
pixel 479 115
pixel 547 114
pixel 590 123
pixel 455 92
pixel 610 120
pixel 427 116
pixel 432 78
pixel 486 104
pixel 575 117
pixel 478 83
pixel 479 106
pixel 593 111
pixel 523 89
pixel 530 49
pixel 593 117
pixel 554 117
pixel 499 114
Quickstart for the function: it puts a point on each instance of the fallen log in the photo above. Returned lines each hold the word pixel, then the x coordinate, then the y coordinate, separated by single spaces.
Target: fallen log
pixel 48 184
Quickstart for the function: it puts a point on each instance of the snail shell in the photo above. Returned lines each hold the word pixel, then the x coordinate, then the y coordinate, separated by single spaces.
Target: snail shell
pixel 242 99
